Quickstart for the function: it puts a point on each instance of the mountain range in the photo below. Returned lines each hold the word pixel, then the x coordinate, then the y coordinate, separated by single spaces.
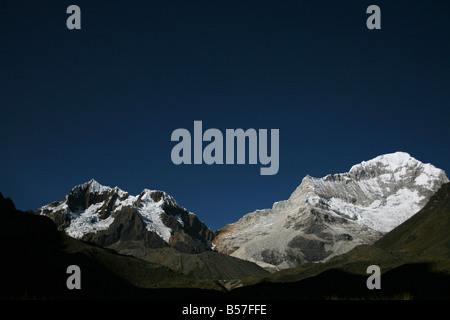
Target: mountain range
pixel 322 218
pixel 392 211
pixel 414 259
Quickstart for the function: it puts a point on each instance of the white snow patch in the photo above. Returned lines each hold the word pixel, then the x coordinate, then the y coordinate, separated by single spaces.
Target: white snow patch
pixel 422 180
pixel 391 160
pixel 87 221
pixel 382 217
pixel 150 212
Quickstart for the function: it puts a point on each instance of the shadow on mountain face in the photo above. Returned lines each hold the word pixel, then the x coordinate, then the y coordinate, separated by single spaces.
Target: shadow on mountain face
pixel 205 265
pixel 414 281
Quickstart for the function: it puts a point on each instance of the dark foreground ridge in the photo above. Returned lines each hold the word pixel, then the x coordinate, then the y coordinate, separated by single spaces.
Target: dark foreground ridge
pixel 409 281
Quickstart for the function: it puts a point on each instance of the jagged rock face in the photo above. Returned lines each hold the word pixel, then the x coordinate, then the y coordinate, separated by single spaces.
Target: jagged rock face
pixel 111 217
pixel 331 215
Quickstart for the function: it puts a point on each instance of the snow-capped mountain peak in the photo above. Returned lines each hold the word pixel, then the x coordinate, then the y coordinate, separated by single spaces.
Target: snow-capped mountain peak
pixel 399 163
pixel 91 208
pixel 330 215
pixel 158 196
pixel 383 192
pixel 92 186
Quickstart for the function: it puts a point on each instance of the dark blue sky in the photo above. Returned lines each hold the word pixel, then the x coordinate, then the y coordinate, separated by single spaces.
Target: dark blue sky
pixel 102 102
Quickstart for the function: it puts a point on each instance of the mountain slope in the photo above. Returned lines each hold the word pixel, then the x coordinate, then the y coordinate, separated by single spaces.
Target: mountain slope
pixel 111 217
pixel 427 233
pixel 206 265
pixel 329 216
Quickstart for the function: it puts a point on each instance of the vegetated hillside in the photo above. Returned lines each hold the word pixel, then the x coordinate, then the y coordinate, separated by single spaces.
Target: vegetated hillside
pixel 414 260
pixel 426 235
